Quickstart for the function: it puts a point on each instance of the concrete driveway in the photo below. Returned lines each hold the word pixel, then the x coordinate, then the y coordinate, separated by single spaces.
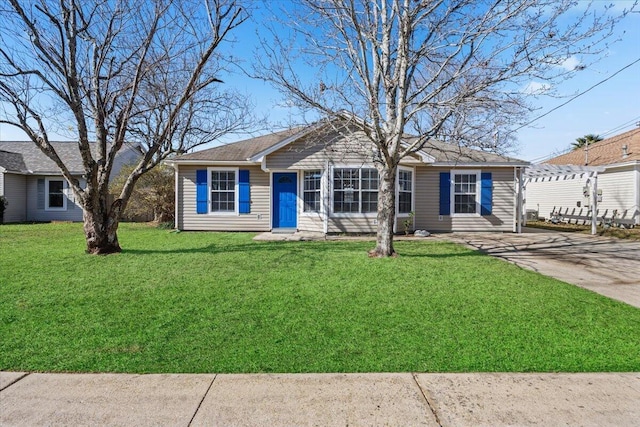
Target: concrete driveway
pixel 605 265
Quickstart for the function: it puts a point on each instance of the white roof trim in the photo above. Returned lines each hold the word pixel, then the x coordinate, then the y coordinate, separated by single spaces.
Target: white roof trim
pixel 622 165
pixel 12 172
pixel 55 173
pixel 257 158
pixel 484 164
pixel 211 162
pixel 424 157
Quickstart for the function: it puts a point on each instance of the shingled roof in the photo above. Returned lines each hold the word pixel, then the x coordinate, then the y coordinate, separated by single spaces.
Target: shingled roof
pixel 606 152
pixel 243 150
pixel 12 162
pixel 25 157
pixel 443 152
pixel 35 161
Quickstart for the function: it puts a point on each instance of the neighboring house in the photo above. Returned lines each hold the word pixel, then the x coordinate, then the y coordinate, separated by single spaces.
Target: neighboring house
pixel 34 187
pixel 322 178
pixel 619 183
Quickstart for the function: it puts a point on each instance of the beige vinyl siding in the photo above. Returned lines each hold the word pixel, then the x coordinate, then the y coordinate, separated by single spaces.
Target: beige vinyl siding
pixel 15 191
pixel 310 222
pixel 258 220
pixel 354 224
pixel 315 151
pixel 427 203
pixel 564 192
pixel 72 213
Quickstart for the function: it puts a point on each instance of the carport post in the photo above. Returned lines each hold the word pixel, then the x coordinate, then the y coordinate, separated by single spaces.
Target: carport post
pixel 520 203
pixel 594 204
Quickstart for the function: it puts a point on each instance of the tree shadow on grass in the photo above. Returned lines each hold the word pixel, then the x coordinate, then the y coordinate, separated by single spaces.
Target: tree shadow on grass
pixel 249 247
pixel 323 247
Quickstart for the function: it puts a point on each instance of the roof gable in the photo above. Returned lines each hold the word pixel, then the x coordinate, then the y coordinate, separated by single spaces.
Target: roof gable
pixel 12 162
pixel 254 150
pixel 606 152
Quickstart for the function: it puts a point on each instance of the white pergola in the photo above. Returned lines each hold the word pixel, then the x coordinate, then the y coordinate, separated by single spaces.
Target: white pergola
pixel 550 171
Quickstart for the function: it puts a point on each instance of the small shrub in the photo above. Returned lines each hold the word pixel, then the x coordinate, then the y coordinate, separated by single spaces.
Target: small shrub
pixel 3 206
pixel 408 223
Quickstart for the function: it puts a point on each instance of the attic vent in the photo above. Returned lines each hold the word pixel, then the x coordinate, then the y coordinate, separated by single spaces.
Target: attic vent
pixel 625 154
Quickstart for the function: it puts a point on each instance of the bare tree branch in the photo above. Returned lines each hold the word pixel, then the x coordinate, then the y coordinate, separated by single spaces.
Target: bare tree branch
pixel 442 70
pixel 122 73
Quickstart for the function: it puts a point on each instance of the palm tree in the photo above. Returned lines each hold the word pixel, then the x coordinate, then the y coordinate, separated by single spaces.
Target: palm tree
pixel 585 141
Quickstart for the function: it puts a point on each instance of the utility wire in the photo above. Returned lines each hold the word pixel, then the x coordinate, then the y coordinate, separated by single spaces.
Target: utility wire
pixel 577 96
pixel 603 134
pixel 620 127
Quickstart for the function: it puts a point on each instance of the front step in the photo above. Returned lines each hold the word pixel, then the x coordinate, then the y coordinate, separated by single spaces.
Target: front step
pixel 283 230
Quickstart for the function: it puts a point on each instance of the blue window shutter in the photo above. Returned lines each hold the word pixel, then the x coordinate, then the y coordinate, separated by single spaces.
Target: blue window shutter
pixel 244 196
pixel 445 193
pixel 201 191
pixel 486 193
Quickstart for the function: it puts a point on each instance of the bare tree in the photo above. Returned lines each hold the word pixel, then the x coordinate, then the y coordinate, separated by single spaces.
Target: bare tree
pixel 114 73
pixel 452 70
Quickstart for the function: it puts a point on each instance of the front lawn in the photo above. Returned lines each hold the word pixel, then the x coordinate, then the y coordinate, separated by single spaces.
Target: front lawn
pixel 220 302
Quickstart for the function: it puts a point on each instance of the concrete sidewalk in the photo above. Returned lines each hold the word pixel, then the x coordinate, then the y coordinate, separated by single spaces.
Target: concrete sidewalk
pixel 320 399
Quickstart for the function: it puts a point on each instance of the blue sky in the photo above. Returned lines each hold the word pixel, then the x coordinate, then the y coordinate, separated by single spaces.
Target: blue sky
pixel 600 111
pixel 603 110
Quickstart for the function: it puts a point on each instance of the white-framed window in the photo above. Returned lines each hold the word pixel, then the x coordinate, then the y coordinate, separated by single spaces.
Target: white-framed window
pixel 370 184
pixel 223 190
pixel 355 190
pixel 405 191
pixel 312 191
pixel 465 192
pixel 55 197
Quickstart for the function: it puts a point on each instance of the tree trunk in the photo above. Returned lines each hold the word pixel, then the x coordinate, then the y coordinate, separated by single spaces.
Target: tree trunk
pixel 101 226
pixel 386 213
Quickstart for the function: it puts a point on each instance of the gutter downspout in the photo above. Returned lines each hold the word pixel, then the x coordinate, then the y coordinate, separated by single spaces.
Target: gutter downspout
pixel 515 201
pixel 325 200
pixel 637 194
pixel 175 219
pixel 520 200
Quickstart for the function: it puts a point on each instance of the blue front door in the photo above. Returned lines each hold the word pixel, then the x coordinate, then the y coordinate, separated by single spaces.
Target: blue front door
pixel 284 200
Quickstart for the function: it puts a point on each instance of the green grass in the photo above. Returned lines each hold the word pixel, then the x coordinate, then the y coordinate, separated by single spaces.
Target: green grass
pixel 220 302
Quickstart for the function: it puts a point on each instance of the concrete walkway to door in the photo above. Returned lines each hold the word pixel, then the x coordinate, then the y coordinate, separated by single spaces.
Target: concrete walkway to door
pixel 608 266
